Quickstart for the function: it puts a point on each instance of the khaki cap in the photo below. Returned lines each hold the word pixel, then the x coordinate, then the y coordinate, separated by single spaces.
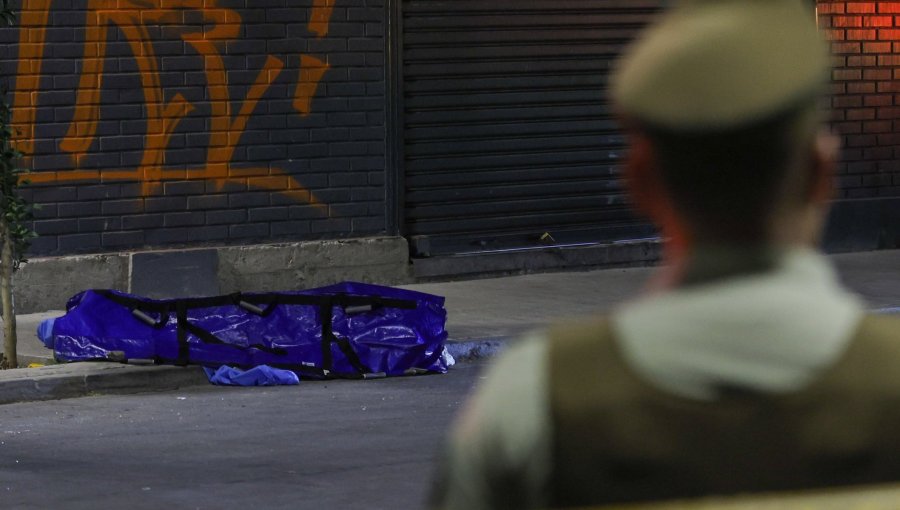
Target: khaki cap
pixel 710 64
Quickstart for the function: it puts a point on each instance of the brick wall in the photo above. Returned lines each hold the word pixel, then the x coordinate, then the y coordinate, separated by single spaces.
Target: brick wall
pixel 865 38
pixel 193 122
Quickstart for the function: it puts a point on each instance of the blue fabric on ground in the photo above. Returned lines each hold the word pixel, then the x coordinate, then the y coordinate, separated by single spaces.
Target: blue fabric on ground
pixel 375 339
pixel 45 332
pixel 261 375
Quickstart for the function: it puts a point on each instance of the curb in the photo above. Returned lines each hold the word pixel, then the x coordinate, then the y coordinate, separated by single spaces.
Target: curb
pixel 70 380
pixel 54 382
pixel 474 349
pixel 81 379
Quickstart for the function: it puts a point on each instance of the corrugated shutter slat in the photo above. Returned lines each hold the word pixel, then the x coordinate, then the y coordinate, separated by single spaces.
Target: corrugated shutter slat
pixel 507 129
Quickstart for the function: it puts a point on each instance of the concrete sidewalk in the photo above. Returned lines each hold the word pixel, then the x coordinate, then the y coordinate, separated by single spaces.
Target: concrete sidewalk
pixel 482 316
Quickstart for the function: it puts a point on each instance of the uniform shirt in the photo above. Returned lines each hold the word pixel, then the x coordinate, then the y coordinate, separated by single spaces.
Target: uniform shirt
pixel 771 332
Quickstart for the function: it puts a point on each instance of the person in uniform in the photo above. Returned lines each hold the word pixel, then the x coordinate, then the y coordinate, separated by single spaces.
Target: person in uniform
pixel 745 366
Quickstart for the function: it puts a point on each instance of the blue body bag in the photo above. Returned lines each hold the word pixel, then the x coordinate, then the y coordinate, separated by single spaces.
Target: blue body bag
pixel 346 330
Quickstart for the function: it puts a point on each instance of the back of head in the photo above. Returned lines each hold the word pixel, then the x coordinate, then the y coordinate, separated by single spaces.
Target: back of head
pixel 726 90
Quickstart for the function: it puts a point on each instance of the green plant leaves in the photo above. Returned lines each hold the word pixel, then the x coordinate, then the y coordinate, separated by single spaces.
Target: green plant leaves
pixel 14 209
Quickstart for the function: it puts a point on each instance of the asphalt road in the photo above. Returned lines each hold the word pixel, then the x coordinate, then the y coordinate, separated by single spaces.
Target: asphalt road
pixel 320 445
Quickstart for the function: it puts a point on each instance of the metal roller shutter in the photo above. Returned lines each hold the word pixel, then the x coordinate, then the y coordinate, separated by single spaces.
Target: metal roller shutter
pixel 507 130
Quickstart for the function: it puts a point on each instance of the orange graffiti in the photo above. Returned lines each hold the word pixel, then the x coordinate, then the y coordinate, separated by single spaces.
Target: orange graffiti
pixel 207 38
pixel 320 19
pixel 31 53
pixel 311 72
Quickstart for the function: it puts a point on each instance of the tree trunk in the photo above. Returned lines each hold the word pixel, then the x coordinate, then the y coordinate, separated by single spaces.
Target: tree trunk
pixel 10 358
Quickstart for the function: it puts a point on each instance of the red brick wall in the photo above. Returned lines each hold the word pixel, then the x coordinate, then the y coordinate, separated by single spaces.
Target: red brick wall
pixel 865 39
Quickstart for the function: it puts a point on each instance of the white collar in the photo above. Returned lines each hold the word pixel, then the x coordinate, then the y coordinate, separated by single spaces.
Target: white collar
pixel 770 332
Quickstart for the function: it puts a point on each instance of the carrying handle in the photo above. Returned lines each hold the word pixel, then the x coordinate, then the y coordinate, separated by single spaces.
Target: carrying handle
pixel 269 300
pixel 355 309
pixel 150 321
pixel 250 307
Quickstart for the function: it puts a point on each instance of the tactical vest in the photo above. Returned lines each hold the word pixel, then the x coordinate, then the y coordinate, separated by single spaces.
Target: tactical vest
pixel 617 438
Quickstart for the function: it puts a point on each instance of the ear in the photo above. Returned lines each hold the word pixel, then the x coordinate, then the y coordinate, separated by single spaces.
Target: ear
pixel 648 193
pixel 642 179
pixel 824 161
